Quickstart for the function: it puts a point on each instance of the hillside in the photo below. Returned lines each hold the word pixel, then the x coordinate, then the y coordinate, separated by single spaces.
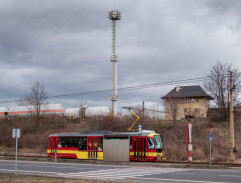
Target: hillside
pixel 172 133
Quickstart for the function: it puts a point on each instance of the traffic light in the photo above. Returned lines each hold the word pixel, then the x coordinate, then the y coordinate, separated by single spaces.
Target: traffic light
pixel 189 117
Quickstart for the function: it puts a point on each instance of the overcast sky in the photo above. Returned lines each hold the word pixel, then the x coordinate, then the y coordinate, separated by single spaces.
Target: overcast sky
pixel 66 45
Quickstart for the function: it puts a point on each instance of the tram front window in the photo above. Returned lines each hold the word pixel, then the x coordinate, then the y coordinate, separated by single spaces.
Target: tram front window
pixel 157 142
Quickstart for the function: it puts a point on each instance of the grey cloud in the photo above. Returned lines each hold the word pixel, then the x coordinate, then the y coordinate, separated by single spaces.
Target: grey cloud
pixel 67 45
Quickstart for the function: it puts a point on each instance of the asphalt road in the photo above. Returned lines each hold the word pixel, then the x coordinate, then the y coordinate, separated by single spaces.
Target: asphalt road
pixel 122 173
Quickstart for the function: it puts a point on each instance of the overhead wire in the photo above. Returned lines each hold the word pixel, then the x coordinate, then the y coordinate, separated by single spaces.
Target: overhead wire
pixel 122 89
pixel 131 87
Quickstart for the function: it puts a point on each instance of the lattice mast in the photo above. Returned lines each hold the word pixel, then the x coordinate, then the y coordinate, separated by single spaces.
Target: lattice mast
pixel 114 16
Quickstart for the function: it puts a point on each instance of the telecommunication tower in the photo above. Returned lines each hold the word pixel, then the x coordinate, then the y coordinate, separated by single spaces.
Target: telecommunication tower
pixel 114 16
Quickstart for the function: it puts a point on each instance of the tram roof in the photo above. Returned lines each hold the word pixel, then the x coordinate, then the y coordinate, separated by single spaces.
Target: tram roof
pixel 102 133
pixel 84 133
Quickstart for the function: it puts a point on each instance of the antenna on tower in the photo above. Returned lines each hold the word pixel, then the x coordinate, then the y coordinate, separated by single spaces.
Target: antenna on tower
pixel 114 16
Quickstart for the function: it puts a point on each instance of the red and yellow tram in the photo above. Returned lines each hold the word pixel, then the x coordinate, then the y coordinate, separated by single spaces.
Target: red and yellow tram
pixel 144 146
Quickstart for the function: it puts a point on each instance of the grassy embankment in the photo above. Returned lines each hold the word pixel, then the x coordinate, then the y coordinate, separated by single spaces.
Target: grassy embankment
pixel 173 134
pixel 10 178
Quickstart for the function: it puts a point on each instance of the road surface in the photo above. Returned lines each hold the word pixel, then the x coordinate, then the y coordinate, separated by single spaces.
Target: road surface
pixel 122 173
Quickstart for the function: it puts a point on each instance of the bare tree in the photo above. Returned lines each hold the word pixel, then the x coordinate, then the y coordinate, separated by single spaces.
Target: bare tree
pixel 83 105
pixel 36 100
pixel 38 97
pixel 218 86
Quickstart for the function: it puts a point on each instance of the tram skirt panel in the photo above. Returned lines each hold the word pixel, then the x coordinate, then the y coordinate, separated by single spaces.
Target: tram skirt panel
pixel 116 150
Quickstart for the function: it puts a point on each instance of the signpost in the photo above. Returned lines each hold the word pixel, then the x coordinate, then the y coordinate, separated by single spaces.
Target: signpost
pixel 16 134
pixel 210 139
pixel 189 137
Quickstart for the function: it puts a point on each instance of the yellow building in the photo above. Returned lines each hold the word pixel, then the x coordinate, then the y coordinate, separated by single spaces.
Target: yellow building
pixel 186 100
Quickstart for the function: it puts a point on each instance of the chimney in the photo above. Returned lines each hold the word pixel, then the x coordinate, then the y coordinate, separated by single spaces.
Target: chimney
pixel 177 88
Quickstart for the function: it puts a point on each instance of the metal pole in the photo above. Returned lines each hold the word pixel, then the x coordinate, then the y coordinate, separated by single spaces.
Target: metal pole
pixel 55 156
pixel 232 155
pixel 187 142
pixel 210 152
pixel 143 110
pixel 16 152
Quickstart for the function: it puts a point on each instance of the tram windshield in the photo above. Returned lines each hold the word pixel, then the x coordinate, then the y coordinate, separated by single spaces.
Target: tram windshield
pixel 157 142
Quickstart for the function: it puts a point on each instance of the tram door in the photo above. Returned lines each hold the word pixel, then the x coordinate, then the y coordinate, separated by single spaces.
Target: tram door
pixel 53 145
pixel 139 145
pixel 93 144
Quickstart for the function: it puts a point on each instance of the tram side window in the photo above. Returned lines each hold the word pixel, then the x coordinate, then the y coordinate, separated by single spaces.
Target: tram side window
pixel 130 142
pixel 101 143
pixel 82 143
pixel 150 143
pixel 60 142
pixel 70 142
pixel 65 142
pixel 75 144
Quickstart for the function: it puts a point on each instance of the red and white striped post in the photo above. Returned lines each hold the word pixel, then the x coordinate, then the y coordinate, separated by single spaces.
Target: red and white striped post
pixel 187 123
pixel 189 137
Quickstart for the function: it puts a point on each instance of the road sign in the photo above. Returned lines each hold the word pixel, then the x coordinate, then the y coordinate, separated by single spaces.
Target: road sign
pixel 16 133
pixel 211 137
pixel 189 147
pixel 190 132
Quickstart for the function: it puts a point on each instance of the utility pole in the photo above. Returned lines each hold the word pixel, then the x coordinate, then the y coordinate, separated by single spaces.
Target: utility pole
pixel 233 149
pixel 143 110
pixel 153 113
